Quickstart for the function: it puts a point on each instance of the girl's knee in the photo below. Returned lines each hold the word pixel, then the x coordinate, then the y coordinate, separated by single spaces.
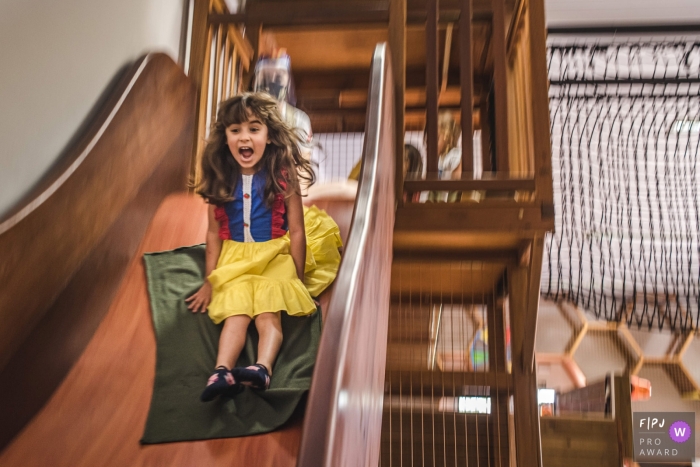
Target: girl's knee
pixel 268 320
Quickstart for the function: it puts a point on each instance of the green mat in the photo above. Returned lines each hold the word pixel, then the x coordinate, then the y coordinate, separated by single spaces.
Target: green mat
pixel 186 354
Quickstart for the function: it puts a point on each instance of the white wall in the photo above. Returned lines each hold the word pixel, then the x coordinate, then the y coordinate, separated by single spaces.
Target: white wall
pixel 57 58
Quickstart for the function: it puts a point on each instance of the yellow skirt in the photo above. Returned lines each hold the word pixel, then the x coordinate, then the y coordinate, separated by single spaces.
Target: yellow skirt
pixel 260 277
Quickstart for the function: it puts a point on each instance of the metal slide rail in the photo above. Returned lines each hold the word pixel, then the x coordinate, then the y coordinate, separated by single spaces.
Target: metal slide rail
pixel 343 420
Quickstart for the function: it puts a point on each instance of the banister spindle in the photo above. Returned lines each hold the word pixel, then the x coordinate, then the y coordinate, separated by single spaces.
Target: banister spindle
pixel 431 85
pixel 500 84
pixel 466 82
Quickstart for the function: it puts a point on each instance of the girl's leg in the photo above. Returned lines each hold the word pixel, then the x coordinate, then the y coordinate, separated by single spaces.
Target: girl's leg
pixel 269 326
pixel 231 343
pixel 232 340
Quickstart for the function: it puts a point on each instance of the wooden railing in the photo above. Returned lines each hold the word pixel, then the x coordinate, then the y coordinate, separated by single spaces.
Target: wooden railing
pixel 343 420
pixel 220 60
pixel 516 113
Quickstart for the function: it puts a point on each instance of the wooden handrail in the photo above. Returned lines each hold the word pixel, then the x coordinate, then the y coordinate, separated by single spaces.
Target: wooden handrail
pixel 343 419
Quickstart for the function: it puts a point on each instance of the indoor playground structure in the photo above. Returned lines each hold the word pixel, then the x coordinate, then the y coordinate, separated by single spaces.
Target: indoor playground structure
pixel 518 324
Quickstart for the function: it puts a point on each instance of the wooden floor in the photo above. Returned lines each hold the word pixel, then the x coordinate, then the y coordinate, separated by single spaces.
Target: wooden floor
pixel 96 417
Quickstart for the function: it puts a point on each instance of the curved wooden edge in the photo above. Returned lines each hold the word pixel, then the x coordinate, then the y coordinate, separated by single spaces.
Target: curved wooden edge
pixel 66 251
pixel 343 420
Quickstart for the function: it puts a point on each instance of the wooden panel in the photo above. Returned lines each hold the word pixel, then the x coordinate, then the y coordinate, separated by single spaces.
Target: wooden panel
pixel 579 443
pixel 71 211
pixel 450 280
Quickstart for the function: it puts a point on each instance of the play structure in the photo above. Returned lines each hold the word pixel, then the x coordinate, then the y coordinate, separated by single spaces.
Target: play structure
pixel 427 353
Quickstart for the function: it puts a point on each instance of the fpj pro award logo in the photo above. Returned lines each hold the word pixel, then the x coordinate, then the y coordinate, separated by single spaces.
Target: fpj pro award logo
pixel 664 436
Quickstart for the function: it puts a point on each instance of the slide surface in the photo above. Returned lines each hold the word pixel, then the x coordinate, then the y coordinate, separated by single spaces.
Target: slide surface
pixel 97 415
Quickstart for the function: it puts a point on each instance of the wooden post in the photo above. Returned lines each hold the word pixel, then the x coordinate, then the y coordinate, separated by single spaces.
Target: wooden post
pixel 397 45
pixel 431 85
pixel 622 413
pixel 540 107
pixel 217 71
pixel 197 72
pixel 500 80
pixel 485 120
pixel 253 33
pixel 533 302
pixel 500 450
pixel 466 82
pixel 526 414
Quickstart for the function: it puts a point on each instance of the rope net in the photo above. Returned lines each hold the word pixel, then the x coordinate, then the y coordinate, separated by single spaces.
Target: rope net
pixel 625 124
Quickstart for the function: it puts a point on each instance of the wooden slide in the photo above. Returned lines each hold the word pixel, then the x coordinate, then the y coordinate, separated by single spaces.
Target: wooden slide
pixel 77 348
pixel 97 414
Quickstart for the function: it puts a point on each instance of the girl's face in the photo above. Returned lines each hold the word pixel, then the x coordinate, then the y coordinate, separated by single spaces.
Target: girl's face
pixel 247 142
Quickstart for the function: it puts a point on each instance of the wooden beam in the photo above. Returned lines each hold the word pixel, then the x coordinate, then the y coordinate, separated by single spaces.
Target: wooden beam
pixel 279 13
pixel 432 217
pixel 328 99
pixel 506 257
pixel 467 182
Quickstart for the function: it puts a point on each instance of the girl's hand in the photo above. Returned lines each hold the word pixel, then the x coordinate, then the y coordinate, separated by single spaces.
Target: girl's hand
pixel 200 300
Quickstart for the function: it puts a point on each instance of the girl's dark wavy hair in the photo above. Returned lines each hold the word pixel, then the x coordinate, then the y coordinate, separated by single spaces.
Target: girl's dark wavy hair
pixel 282 158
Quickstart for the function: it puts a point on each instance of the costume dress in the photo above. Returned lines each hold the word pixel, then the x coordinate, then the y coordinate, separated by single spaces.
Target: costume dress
pixel 255 272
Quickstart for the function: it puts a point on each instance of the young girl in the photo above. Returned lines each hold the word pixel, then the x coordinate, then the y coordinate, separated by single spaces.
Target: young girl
pixel 257 253
pixel 449 156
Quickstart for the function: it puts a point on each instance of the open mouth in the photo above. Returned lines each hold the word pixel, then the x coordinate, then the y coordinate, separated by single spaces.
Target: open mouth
pixel 245 152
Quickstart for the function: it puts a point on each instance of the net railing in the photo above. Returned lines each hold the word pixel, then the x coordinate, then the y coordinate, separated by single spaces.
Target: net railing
pixel 625 124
